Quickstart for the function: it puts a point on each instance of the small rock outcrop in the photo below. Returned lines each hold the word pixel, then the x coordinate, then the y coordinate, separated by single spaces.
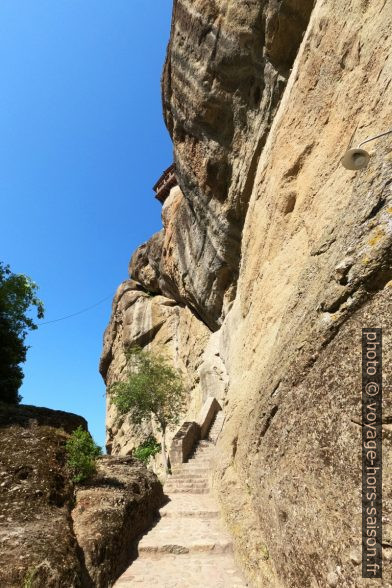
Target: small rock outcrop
pixel 144 266
pixel 42 543
pixel 111 513
pixel 38 546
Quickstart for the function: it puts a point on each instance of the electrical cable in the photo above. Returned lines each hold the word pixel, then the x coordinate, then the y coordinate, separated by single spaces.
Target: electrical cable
pixel 63 318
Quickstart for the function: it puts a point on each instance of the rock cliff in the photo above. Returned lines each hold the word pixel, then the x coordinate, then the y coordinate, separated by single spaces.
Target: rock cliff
pixel 226 68
pixel 271 259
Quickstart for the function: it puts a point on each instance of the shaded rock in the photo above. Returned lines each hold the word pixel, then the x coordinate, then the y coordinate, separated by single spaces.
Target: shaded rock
pixel 41 544
pixel 225 71
pixel 111 513
pixel 144 263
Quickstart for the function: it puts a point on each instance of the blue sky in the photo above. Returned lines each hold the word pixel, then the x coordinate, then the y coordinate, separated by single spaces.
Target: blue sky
pixel 82 141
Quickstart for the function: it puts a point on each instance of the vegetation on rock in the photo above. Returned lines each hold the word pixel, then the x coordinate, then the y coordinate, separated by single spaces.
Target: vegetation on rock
pixel 17 296
pixel 147 449
pixel 152 387
pixel 82 453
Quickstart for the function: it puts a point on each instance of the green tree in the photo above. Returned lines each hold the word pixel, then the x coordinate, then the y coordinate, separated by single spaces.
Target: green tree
pixel 151 387
pixel 82 453
pixel 17 296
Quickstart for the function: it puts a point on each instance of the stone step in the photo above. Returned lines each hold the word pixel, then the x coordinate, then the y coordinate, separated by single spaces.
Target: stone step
pixel 188 490
pixel 202 454
pixel 188 474
pixel 196 475
pixel 180 535
pixel 184 571
pixel 185 505
pixel 194 468
pixel 206 456
pixel 185 484
pixel 193 471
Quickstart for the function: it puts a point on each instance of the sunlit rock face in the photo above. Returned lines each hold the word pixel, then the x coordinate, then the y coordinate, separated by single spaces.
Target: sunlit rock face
pixel 280 256
pixel 144 263
pixel 159 324
pixel 315 269
pixel 226 68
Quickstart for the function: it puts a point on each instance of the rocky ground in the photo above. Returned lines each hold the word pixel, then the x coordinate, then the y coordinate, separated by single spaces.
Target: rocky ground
pixel 111 513
pixel 51 533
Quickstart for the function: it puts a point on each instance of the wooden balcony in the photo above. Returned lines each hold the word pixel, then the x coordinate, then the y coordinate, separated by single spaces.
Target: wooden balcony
pixel 166 182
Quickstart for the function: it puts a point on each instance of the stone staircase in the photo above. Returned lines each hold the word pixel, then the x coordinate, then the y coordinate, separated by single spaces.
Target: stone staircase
pixel 188 546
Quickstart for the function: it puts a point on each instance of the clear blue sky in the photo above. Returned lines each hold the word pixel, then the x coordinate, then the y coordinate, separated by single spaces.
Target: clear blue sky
pixel 82 141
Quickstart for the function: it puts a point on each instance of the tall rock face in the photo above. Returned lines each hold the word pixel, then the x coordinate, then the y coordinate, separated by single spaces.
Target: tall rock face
pixel 226 68
pixel 278 257
pixel 315 270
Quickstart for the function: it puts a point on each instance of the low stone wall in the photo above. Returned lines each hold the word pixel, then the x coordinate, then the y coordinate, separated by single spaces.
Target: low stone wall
pixel 207 415
pixel 191 432
pixel 183 442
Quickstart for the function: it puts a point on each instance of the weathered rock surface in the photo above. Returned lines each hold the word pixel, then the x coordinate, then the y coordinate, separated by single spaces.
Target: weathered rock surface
pixel 24 415
pixel 316 266
pixel 38 547
pixel 41 545
pixel 145 262
pixel 159 322
pixel 111 513
pixel 226 68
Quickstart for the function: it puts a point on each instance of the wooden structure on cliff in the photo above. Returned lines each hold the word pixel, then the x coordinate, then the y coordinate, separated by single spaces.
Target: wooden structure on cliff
pixel 166 182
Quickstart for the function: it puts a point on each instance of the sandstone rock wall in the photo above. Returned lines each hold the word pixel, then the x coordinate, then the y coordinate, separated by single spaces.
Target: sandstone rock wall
pixel 279 256
pixel 315 269
pixel 226 68
pixel 163 325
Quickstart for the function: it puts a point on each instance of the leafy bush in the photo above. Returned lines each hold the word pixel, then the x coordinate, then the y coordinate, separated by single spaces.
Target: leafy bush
pixel 82 453
pixel 148 449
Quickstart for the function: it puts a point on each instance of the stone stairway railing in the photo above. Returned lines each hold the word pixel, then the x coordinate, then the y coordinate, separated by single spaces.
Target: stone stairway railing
pixel 191 432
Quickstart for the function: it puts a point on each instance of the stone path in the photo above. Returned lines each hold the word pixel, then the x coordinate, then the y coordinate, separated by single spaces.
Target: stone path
pixel 188 546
